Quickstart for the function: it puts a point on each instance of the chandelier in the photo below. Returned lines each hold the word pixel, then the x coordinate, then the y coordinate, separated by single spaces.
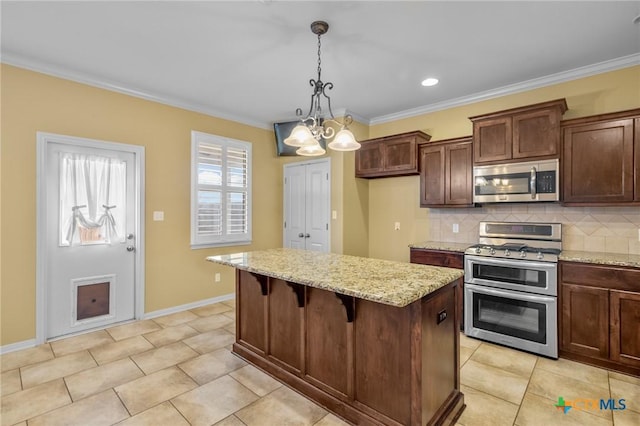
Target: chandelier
pixel 306 135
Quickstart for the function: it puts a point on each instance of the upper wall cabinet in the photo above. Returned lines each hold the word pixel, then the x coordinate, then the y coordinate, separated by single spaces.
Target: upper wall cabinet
pixel 601 159
pixel 446 173
pixel 519 134
pixel 395 155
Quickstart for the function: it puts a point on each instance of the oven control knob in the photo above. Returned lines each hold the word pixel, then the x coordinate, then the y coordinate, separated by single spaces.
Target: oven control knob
pixel 492 251
pixel 540 255
pixel 478 250
pixel 507 252
pixel 523 253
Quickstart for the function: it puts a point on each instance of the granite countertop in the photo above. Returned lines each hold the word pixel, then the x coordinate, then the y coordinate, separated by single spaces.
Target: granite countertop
pixel 441 245
pixel 612 259
pixel 388 282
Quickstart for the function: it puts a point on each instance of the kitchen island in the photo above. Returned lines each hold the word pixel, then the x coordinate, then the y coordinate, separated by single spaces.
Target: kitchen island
pixel 373 341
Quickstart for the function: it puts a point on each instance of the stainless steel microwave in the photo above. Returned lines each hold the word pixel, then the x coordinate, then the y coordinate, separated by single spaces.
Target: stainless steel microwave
pixel 517 182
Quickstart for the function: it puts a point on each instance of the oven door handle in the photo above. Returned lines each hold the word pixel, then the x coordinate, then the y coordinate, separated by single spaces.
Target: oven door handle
pixel 528 264
pixel 508 293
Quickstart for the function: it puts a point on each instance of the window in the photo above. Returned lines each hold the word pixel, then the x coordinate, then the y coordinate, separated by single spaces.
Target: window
pixel 220 191
pixel 92 199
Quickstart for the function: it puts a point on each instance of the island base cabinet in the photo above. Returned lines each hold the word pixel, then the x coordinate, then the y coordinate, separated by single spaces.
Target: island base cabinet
pixel 383 359
pixel 328 333
pixel 367 362
pixel 285 324
pixel 251 328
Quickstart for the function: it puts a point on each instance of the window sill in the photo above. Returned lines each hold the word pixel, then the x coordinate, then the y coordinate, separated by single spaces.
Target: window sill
pixel 220 244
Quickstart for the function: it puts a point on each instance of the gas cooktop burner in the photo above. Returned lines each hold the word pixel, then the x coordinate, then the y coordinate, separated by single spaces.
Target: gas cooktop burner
pixel 515 248
pixel 540 241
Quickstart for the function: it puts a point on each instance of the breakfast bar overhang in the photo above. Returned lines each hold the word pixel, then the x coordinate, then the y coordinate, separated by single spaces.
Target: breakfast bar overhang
pixel 373 341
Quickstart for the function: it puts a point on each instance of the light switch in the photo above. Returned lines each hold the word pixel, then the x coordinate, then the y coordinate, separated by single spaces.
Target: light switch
pixel 158 216
pixel 456 228
pixel 334 214
pixel 396 226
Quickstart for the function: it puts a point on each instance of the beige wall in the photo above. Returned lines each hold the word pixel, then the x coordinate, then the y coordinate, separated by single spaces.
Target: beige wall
pixel 175 274
pixel 396 199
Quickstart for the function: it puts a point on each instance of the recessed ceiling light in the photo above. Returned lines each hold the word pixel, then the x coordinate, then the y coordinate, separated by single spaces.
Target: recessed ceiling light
pixel 430 81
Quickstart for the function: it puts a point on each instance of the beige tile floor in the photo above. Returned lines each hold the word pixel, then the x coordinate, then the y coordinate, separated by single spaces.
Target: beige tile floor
pixel 178 370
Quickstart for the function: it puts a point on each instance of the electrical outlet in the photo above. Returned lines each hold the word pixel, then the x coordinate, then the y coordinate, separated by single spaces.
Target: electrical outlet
pixel 396 226
pixel 158 216
pixel 217 277
pixel 456 228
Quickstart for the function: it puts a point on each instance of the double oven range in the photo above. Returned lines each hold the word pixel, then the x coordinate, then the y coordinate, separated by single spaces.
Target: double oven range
pixel 511 285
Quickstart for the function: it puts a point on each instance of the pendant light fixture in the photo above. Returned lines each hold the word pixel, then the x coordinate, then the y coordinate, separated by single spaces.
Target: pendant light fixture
pixel 306 135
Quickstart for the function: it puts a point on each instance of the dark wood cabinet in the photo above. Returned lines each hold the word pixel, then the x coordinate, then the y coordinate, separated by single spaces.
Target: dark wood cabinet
pixel 447 259
pixel 251 327
pixel 446 173
pixel 395 155
pixel 286 321
pixel 585 320
pixel 368 362
pixel 625 327
pixel 328 332
pixel 369 161
pixel 600 315
pixel 601 160
pixel 518 134
pixel 493 139
pixel 636 159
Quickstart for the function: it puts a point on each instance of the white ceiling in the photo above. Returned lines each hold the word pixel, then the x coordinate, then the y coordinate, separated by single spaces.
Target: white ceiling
pixel 251 60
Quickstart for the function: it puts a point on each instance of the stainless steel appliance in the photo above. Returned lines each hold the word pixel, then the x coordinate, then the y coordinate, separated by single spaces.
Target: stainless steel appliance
pixel 511 285
pixel 517 182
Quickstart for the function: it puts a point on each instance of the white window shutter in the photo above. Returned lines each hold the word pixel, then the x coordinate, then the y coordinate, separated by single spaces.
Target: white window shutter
pixel 221 191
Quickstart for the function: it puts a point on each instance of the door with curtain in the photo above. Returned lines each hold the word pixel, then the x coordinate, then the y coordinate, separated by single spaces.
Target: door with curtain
pixel 307 203
pixel 91 212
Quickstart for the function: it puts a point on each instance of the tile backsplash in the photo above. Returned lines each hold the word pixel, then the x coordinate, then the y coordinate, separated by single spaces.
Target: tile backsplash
pixel 601 229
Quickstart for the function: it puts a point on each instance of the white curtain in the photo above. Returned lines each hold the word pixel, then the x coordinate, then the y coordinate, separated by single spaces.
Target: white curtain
pixel 92 199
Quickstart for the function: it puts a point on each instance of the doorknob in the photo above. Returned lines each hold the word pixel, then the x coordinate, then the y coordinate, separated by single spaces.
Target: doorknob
pixel 131 248
pixel 129 236
pixel 301 235
pixel 307 236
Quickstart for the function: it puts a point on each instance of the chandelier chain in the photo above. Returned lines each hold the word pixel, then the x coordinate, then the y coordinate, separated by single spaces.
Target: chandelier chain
pixel 319 58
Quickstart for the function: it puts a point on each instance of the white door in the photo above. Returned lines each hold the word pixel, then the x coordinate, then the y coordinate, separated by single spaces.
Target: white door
pixel 307 205
pixel 89 258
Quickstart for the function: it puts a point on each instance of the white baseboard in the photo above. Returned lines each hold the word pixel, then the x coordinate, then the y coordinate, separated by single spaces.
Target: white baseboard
pixel 175 309
pixel 18 346
pixel 26 344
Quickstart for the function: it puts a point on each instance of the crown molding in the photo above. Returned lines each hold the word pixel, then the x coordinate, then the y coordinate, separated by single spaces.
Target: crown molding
pixel 586 71
pixel 10 58
pixel 561 77
pixel 342 112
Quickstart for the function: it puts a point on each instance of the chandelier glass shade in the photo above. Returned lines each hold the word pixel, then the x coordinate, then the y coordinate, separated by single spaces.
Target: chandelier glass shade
pixel 315 126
